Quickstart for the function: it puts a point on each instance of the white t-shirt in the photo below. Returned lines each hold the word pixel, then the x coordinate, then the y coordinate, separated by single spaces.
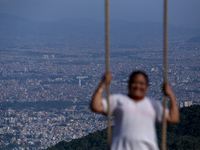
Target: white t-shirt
pixel 134 122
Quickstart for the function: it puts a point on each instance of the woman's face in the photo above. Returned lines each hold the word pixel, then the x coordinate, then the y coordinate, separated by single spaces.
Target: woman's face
pixel 138 86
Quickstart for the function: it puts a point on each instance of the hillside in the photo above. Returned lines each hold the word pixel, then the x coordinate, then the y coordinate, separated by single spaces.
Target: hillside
pixel 194 39
pixel 84 31
pixel 183 136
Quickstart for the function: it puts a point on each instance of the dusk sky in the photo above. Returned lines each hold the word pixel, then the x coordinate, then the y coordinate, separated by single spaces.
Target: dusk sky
pixel 181 12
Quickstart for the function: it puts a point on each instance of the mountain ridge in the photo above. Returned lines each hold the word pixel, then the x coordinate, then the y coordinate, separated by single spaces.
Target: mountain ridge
pixel 87 30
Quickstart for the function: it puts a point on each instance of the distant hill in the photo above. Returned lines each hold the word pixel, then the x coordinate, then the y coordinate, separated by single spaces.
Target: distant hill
pixel 194 39
pixel 39 106
pixel 183 136
pixel 83 31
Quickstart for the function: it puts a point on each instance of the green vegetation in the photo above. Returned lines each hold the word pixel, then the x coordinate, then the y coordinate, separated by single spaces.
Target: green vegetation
pixel 183 136
pixel 186 134
pixel 93 141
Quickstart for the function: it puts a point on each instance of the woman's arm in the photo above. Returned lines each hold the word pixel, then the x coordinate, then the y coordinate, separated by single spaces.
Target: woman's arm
pixel 173 116
pixel 96 104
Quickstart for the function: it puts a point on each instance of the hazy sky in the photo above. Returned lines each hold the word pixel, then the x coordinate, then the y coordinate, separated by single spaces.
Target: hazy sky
pixel 181 12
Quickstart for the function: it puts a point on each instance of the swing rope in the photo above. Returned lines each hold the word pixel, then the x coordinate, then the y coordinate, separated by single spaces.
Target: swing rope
pixel 107 36
pixel 165 45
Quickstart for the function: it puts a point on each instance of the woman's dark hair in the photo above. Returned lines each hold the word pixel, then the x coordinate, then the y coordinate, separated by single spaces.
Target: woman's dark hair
pixel 134 73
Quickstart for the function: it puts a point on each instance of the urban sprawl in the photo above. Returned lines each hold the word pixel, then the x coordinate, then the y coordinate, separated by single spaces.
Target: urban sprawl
pixel 44 74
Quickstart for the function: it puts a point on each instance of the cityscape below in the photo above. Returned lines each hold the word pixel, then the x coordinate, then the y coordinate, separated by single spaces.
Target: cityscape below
pixel 46 86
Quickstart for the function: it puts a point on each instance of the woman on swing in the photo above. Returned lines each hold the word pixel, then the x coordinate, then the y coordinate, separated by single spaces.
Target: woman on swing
pixel 135 114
